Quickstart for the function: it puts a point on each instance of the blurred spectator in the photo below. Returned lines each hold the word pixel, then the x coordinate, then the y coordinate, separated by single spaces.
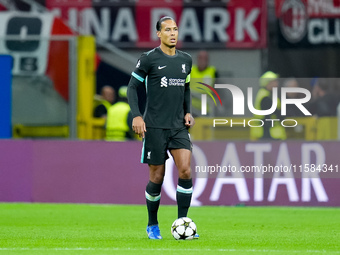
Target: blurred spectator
pixel 201 72
pixel 314 91
pixel 264 101
pixel 291 109
pixel 325 101
pixel 108 97
pixel 119 119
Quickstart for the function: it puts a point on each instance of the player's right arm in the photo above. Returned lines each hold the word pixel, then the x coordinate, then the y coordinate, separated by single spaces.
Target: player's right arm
pixel 137 79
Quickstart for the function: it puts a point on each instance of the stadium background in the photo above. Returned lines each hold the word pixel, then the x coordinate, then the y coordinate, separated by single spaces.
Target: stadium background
pixel 65 51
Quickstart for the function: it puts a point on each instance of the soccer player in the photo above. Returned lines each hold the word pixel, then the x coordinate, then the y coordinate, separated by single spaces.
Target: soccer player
pixel 165 73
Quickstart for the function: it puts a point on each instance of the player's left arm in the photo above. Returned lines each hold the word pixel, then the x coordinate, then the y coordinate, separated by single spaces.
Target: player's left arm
pixel 189 120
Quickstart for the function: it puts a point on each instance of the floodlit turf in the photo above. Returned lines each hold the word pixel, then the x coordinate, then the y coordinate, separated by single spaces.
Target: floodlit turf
pixel 114 229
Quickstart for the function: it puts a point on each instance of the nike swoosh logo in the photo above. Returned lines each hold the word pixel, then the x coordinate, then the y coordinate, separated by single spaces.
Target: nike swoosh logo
pixel 161 67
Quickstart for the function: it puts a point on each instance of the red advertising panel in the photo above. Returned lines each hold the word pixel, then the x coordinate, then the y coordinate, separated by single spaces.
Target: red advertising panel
pixel 147 14
pixel 232 24
pixel 248 24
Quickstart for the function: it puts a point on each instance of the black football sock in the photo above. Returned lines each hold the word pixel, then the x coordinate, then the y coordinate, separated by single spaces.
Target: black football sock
pixel 183 196
pixel 153 196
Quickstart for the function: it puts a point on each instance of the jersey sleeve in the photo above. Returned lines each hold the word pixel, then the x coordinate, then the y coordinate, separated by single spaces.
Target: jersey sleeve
pixel 190 64
pixel 142 68
pixel 137 79
pixel 187 95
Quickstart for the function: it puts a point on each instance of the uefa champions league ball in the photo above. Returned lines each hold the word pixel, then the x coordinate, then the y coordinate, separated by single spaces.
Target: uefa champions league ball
pixel 183 229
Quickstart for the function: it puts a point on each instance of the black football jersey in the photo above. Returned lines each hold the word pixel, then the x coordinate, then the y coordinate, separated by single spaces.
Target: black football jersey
pixel 166 79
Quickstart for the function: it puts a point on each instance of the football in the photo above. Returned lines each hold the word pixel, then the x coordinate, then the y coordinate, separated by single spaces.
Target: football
pixel 183 229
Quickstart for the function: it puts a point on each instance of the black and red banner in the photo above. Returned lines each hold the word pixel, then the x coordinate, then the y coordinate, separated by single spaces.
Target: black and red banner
pixel 308 23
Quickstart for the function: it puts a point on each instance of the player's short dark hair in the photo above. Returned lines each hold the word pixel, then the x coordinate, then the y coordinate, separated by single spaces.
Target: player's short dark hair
pixel 159 22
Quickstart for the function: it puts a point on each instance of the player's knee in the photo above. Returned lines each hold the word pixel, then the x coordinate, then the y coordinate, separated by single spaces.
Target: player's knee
pixel 157 177
pixel 156 173
pixel 185 173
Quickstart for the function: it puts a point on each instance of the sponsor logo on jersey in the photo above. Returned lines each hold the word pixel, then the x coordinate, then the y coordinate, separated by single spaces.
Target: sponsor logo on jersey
pixel 138 64
pixel 172 82
pixel 176 82
pixel 161 67
pixel 164 81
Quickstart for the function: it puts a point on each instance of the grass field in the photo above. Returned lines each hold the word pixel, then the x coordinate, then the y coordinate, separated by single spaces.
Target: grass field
pixel 116 229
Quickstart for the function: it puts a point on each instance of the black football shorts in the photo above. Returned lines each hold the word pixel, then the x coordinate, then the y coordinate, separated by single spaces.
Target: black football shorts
pixel 158 141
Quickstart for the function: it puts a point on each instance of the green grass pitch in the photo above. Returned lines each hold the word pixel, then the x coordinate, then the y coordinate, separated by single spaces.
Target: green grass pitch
pixel 120 229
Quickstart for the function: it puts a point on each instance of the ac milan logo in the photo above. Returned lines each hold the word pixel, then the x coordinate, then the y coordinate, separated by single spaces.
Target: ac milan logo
pixel 293 20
